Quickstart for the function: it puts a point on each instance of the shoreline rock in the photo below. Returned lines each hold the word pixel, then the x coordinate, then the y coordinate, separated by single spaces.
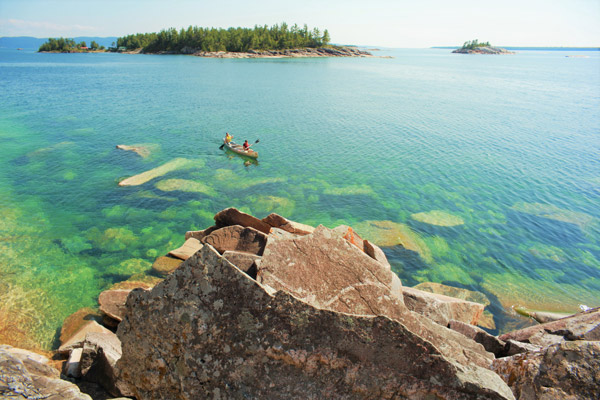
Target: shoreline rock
pixel 345 51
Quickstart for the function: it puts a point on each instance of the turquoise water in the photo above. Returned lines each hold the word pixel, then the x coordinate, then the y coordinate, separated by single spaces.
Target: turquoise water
pixel 506 146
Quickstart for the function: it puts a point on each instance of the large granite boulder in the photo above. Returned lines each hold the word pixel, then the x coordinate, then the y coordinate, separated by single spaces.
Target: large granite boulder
pixel 25 375
pixel 580 326
pixel 568 370
pixel 232 216
pixel 440 308
pixel 237 238
pixel 325 270
pixel 211 331
pixel 328 272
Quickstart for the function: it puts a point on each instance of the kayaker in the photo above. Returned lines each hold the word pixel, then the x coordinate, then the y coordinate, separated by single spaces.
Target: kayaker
pixel 228 138
pixel 246 145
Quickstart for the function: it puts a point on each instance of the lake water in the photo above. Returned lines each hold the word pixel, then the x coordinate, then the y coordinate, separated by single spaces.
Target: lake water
pixel 503 149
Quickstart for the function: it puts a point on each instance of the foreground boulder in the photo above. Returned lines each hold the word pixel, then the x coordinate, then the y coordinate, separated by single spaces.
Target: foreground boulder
pixel 569 370
pixel 210 331
pixel 327 271
pixel 27 375
pixel 337 276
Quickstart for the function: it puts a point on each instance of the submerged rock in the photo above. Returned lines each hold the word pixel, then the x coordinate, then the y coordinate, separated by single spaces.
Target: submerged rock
pixel 549 211
pixel 175 164
pixel 439 218
pixel 209 330
pixel 143 150
pixel 388 233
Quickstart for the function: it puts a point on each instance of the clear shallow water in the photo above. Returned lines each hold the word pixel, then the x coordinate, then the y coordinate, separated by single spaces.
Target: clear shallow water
pixel 509 144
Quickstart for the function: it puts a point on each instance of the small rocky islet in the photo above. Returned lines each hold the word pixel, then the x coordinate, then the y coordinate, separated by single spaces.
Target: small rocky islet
pixel 476 47
pixel 270 308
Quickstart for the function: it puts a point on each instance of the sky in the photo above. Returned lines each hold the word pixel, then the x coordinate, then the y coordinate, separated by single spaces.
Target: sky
pixel 384 23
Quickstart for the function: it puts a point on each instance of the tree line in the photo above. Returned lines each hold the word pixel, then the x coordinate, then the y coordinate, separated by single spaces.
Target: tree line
pixel 276 37
pixel 472 44
pixel 67 45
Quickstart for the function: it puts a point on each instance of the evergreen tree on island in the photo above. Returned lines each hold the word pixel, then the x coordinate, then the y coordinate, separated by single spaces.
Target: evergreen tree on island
pixel 473 44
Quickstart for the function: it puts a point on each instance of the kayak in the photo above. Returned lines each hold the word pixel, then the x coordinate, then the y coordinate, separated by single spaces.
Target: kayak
pixel 239 149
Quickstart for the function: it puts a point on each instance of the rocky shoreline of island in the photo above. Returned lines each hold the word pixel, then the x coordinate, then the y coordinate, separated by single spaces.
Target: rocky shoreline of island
pixel 272 308
pixel 337 51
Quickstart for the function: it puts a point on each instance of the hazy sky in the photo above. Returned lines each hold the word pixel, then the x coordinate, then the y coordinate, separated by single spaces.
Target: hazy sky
pixel 386 23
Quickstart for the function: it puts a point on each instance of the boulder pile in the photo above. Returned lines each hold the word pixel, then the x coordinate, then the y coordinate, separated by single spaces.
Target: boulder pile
pixel 270 308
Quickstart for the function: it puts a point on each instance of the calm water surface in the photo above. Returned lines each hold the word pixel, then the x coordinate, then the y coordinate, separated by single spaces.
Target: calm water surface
pixel 504 149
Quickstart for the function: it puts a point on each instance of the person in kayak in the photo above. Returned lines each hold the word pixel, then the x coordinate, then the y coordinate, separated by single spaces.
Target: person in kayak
pixel 246 145
pixel 228 138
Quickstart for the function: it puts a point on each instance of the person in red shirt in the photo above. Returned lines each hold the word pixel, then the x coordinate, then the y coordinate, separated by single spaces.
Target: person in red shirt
pixel 246 145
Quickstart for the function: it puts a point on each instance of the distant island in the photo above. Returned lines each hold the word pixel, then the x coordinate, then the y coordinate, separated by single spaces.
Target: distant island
pixel 260 41
pixel 474 47
pixel 62 45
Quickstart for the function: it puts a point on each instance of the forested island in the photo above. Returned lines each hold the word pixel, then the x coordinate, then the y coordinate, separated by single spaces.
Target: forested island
pixel 277 37
pixel 62 45
pixel 260 41
pixel 475 47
